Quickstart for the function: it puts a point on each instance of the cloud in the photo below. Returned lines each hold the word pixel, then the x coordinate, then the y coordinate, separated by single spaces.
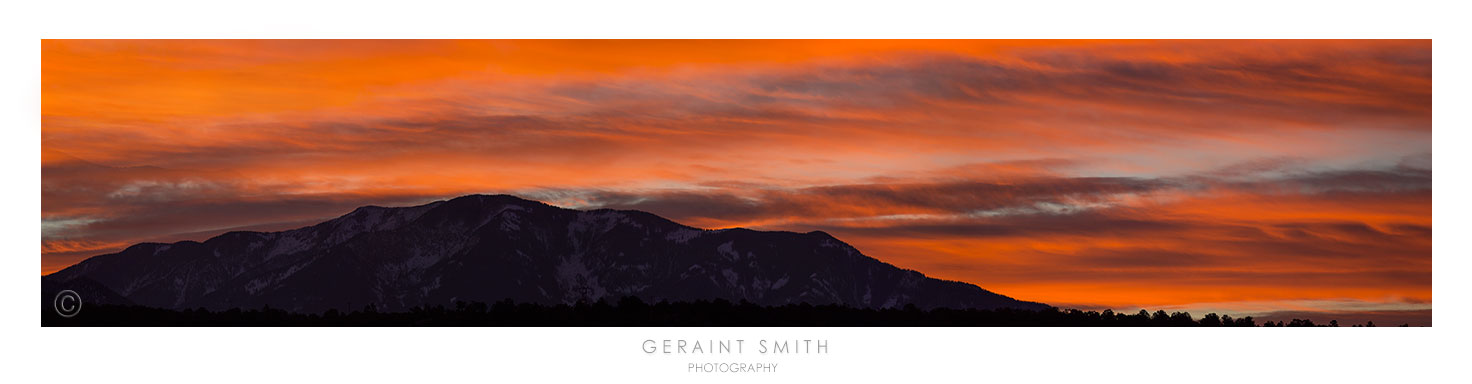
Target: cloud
pixel 1365 228
pixel 1164 172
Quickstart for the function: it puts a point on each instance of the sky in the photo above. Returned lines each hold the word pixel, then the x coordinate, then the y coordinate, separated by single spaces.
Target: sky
pixel 1272 178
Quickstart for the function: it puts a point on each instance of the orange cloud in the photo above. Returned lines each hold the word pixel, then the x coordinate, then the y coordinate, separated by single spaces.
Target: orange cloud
pixel 1108 173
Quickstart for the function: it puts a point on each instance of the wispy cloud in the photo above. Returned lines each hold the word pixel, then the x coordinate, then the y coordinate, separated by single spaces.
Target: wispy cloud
pixel 1134 172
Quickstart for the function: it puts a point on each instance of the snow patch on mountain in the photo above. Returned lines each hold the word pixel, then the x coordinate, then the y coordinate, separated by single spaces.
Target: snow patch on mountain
pixel 684 235
pixel 256 285
pixel 726 249
pixel 578 281
pixel 731 277
pixel 289 243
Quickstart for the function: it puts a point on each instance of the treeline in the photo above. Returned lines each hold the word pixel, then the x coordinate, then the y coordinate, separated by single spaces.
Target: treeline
pixel 631 311
pixel 1310 323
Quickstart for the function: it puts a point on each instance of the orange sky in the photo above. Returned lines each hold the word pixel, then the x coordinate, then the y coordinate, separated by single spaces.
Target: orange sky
pixel 1247 176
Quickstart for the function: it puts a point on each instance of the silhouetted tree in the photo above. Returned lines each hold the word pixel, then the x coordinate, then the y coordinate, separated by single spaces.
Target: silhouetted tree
pixel 1181 319
pixel 1141 318
pixel 1160 318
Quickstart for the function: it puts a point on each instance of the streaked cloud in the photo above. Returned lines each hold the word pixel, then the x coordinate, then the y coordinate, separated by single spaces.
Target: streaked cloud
pixel 1116 173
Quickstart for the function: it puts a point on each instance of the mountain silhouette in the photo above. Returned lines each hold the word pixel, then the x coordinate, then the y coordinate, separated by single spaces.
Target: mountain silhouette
pixel 483 248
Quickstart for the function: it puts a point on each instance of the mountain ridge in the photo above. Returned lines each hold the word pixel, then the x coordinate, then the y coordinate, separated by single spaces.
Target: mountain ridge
pixel 492 247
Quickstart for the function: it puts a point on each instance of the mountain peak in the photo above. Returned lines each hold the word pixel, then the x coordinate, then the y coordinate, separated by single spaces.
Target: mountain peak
pixel 496 199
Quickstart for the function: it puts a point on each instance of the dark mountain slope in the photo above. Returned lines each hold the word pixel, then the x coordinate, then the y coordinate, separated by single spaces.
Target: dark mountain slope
pixel 488 248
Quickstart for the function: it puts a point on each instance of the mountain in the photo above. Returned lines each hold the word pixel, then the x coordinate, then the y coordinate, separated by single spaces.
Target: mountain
pixel 489 248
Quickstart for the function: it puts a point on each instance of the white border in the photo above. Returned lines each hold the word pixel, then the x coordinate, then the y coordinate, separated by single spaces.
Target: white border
pixel 886 354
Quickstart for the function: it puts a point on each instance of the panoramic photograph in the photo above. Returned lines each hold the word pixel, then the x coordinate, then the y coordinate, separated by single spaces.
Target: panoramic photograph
pixel 736 183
